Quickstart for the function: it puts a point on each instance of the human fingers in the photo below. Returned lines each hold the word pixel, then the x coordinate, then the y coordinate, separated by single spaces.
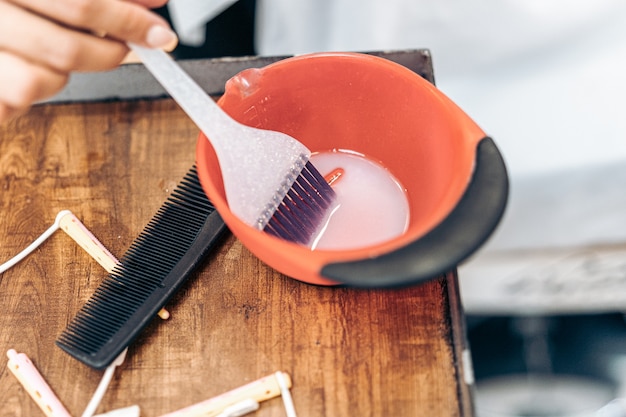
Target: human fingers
pixel 49 44
pixel 24 83
pixel 150 4
pixel 125 21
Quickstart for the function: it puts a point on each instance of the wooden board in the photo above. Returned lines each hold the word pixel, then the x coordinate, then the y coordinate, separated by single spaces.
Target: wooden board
pixel 349 352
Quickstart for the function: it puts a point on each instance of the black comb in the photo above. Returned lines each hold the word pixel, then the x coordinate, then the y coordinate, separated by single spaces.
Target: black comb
pixel 168 250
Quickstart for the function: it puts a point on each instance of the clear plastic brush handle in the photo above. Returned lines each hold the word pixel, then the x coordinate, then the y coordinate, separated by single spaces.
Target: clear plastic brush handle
pixel 258 166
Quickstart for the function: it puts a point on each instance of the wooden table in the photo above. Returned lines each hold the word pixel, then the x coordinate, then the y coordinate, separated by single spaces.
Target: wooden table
pixel 349 352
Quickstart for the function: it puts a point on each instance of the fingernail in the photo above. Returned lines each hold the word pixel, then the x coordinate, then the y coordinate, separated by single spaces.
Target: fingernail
pixel 159 36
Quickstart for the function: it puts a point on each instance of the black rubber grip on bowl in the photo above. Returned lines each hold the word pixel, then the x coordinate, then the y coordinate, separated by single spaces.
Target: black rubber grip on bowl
pixel 459 235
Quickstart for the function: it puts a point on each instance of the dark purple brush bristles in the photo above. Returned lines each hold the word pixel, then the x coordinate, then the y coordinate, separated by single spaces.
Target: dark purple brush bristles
pixel 303 209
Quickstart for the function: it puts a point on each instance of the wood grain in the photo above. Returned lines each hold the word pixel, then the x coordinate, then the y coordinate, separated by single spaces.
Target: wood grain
pixel 349 352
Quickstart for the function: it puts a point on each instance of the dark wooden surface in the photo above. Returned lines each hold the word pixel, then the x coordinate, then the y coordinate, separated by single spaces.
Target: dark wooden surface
pixel 349 352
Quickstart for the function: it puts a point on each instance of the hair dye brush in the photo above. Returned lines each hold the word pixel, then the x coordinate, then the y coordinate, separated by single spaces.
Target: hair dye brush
pixel 269 182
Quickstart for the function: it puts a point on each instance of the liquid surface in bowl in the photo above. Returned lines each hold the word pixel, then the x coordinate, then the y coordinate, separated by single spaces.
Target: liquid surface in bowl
pixel 372 206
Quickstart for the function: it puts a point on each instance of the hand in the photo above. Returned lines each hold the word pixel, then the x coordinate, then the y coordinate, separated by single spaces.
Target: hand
pixel 42 41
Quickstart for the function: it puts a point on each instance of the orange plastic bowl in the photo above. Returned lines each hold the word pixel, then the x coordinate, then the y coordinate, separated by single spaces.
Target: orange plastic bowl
pixel 454 176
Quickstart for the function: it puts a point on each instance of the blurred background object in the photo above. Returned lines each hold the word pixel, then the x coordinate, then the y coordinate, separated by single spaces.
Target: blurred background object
pixel 212 28
pixel 560 365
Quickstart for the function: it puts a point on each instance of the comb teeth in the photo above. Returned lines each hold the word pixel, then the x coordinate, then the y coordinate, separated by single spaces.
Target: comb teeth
pixel 303 209
pixel 159 260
